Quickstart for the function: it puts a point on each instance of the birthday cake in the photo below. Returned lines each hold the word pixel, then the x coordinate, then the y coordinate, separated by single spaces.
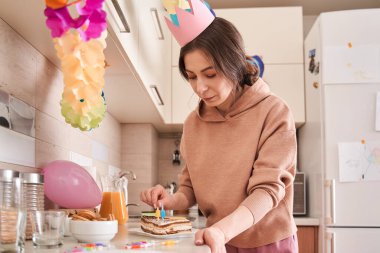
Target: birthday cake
pixel 165 226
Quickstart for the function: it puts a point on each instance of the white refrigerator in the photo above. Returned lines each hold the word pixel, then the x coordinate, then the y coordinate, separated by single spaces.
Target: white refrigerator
pixel 339 145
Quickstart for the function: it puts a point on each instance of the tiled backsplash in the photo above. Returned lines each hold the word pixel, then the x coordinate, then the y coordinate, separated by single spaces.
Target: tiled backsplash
pixel 27 75
pixel 167 172
pixel 139 154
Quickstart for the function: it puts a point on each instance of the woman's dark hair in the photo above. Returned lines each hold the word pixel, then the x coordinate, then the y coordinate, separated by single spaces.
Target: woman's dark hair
pixel 223 44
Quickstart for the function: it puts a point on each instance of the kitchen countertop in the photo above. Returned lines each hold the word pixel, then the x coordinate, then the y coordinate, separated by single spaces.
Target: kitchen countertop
pixel 185 245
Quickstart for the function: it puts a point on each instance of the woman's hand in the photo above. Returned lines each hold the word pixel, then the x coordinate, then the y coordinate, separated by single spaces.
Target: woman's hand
pixel 213 237
pixel 156 195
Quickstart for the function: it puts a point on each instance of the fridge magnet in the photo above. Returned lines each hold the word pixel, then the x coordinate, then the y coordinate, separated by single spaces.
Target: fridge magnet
pixel 316 69
pixel 312 60
pixel 359 161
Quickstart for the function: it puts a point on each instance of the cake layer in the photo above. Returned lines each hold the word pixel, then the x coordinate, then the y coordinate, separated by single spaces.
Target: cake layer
pixel 170 225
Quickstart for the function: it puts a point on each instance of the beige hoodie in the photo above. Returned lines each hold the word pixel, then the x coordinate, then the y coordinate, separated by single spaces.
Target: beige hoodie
pixel 246 157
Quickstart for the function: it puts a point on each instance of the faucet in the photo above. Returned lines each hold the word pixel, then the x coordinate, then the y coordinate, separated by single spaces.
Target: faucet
pixel 128 174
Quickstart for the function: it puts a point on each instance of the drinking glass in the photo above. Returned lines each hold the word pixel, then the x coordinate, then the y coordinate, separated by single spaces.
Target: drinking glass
pixel 48 228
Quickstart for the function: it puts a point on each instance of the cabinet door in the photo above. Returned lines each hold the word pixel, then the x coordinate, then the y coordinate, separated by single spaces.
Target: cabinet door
pixel 276 34
pixel 287 82
pixel 154 54
pixel 128 41
pixel 307 239
pixel 175 52
pixel 184 99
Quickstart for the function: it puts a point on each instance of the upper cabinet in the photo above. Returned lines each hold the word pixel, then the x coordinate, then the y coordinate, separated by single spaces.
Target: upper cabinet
pixel 183 98
pixel 148 48
pixel 154 54
pixel 275 34
pixel 127 40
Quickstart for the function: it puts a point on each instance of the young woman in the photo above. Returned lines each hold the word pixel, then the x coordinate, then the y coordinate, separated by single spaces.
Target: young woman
pixel 240 150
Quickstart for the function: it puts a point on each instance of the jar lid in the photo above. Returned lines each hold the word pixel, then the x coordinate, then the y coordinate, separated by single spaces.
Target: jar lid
pixel 32 178
pixel 8 175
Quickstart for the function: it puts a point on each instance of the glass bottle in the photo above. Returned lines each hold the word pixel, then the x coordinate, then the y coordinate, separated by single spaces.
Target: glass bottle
pixel 12 212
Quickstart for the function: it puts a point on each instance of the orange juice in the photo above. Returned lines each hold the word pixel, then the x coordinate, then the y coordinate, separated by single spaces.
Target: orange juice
pixel 114 203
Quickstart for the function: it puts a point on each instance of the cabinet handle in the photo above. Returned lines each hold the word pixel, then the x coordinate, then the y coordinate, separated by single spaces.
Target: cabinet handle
pixel 157 94
pixel 330 237
pixel 157 24
pixel 120 18
pixel 330 209
pixel 316 85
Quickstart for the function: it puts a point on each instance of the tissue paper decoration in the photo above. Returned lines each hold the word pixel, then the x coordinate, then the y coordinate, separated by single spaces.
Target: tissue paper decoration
pixel 83 104
pixel 80 43
pixel 91 17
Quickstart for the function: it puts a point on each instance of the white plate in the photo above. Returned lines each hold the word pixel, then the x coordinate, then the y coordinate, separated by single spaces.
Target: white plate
pixel 138 231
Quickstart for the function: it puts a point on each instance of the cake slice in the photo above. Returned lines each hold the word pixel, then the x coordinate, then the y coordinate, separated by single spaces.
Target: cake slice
pixel 167 226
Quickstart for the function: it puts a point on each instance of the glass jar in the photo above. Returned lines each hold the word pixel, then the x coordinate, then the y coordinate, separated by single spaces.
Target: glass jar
pixel 34 199
pixel 12 212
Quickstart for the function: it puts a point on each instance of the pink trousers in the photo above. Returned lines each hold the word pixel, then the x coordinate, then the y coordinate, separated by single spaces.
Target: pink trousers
pixel 287 245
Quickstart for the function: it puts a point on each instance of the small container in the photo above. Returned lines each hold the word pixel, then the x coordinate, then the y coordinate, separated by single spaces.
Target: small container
pixel 33 186
pixel 93 231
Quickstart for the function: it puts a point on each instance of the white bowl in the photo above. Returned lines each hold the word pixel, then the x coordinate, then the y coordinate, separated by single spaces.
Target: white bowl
pixel 93 231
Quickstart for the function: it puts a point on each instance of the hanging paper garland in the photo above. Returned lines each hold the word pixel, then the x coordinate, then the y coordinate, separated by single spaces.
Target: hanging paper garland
pixel 91 15
pixel 79 44
pixel 82 103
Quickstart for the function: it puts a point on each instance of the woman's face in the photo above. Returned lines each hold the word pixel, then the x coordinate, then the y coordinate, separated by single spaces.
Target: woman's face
pixel 212 87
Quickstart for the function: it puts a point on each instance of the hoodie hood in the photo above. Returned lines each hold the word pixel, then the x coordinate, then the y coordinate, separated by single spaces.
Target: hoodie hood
pixel 252 95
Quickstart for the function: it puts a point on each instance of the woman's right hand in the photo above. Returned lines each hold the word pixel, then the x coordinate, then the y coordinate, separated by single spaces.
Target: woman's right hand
pixel 156 195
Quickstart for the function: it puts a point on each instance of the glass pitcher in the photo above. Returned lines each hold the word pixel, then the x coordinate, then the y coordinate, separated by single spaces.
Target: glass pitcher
pixel 113 200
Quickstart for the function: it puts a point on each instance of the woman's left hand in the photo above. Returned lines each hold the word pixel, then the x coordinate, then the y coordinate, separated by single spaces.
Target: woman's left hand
pixel 213 237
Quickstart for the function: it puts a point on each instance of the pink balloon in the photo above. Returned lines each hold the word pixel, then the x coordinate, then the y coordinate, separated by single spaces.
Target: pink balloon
pixel 70 185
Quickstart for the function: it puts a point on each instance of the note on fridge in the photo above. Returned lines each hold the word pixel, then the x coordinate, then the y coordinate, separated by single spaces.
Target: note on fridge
pixel 359 161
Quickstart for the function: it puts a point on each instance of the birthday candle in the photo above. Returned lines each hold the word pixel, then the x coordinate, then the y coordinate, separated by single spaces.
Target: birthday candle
pixel 157 213
pixel 163 213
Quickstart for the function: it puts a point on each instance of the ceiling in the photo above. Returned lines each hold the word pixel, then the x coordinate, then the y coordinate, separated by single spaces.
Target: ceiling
pixel 127 99
pixel 310 7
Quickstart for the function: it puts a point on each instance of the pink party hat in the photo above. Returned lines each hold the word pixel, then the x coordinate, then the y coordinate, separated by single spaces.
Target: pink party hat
pixel 191 24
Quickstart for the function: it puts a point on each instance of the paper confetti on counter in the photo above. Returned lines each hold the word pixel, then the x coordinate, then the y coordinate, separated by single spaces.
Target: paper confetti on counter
pixel 89 247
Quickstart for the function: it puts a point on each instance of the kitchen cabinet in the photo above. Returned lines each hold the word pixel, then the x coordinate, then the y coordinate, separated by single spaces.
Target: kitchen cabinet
pixel 184 99
pixel 276 34
pixel 147 48
pixel 154 54
pixel 287 82
pixel 127 40
pixel 307 239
